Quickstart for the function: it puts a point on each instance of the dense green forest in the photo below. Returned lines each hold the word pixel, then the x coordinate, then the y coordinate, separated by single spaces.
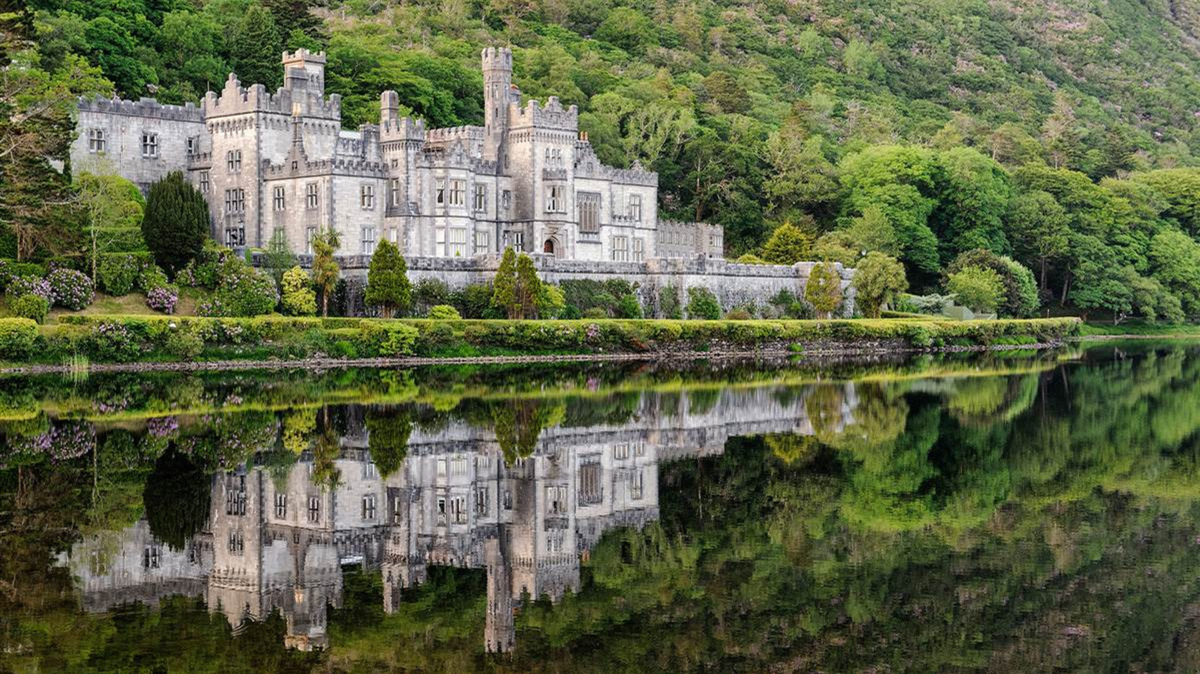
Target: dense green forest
pixel 1058 133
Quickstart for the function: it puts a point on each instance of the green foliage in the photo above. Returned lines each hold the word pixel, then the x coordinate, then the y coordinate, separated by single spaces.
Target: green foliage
pixel 241 291
pixel 119 273
pixel 788 245
pixel 325 269
pixel 297 297
pixel 702 304
pixel 550 301
pixel 444 312
pixel 1019 295
pixel 504 285
pixel 176 223
pixel 529 288
pixel 33 307
pixel 176 496
pixel 824 289
pixel 977 288
pixel 669 305
pixel 388 287
pixel 877 281
pixel 628 307
pixel 184 344
pixel 387 339
pixel 278 258
pixel 387 439
pixel 17 337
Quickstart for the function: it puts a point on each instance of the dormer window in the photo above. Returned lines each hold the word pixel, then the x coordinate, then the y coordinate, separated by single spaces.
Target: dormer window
pixel 96 142
pixel 150 145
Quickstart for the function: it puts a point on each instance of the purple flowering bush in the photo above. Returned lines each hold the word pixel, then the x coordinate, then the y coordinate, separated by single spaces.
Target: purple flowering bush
pixel 163 427
pixel 163 298
pixel 70 289
pixel 113 342
pixel 30 285
pixel 241 291
pixel 64 442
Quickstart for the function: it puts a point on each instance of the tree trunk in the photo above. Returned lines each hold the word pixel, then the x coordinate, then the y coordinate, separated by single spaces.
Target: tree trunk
pixel 1066 288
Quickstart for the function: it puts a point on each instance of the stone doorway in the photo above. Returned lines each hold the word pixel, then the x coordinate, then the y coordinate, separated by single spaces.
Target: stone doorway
pixel 549 247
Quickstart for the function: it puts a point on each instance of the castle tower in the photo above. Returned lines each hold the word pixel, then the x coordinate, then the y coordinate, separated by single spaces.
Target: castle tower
pixel 499 632
pixel 497 86
pixel 304 71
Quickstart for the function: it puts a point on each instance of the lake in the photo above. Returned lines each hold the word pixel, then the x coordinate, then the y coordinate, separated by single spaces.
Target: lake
pixel 1009 512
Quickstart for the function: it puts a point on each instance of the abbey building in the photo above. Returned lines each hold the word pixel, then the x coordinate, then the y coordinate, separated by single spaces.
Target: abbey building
pixel 281 162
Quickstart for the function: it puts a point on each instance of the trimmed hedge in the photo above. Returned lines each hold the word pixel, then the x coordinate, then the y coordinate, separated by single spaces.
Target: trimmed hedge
pixel 300 337
pixel 18 336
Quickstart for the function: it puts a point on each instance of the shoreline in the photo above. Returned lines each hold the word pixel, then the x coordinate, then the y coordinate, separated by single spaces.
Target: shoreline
pixel 320 364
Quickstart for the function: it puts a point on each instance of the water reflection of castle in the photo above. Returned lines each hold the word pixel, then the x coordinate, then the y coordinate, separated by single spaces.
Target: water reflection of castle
pixel 279 542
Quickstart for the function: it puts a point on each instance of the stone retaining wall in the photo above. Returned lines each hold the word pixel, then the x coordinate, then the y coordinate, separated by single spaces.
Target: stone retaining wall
pixel 734 285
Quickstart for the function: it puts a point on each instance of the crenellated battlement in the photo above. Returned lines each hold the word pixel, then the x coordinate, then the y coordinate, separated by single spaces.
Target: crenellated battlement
pixel 496 58
pixel 402 128
pixel 453 133
pixel 148 108
pixel 552 115
pixel 234 99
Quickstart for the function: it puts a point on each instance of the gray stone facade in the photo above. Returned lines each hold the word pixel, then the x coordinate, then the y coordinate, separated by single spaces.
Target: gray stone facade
pixel 281 162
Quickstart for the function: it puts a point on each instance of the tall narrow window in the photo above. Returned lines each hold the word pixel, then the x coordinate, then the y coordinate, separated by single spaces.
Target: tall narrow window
pixel 482 242
pixel 368 507
pixel 458 242
pixel 439 242
pixel 506 199
pixel 235 235
pixel 368 240
pixel 439 192
pixel 191 145
pixel 458 192
pixel 480 202
pixel 589 212
pixel 634 208
pixel 481 501
pixel 233 161
pixel 204 182
pixel 150 145
pixel 310 234
pixel 280 201
pixel 639 249
pixel 555 199
pixel 280 506
pixel 620 249
pixel 314 509
pixel 311 196
pixel 96 142
pixel 237 542
pixel 394 186
pixel 366 197
pixel 235 201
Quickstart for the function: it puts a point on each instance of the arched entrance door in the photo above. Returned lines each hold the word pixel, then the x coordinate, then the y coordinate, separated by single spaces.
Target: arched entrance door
pixel 548 247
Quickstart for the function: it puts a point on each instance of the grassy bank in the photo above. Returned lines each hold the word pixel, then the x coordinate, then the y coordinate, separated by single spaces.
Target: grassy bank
pixel 1138 330
pixel 106 339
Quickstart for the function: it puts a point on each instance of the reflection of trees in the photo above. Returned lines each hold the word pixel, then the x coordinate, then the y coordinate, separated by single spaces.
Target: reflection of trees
pixel 983 401
pixel 519 423
pixel 176 496
pixel 325 472
pixel 388 430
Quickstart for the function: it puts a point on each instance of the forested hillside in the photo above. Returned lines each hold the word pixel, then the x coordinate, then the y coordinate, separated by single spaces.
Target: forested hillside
pixel 1055 132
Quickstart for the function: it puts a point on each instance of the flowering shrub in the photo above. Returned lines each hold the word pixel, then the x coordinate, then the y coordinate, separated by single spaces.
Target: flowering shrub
pixel 113 342
pixel 68 441
pixel 10 270
pixel 70 289
pixel 151 277
pixel 241 291
pixel 30 285
pixel 30 306
pixel 163 427
pixel 163 298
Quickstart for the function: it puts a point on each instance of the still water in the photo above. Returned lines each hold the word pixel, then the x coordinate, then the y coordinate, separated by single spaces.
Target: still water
pixel 1008 513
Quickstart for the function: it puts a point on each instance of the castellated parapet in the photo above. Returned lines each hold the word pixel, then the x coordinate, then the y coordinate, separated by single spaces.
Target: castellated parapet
pixel 280 161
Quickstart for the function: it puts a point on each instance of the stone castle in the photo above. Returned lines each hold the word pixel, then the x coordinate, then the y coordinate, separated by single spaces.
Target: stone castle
pixel 266 163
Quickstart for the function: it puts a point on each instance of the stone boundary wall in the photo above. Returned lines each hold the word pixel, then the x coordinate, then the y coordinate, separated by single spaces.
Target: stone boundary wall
pixel 734 285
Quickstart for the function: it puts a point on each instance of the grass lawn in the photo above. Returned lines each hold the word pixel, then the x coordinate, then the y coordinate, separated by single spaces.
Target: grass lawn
pixel 1140 329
